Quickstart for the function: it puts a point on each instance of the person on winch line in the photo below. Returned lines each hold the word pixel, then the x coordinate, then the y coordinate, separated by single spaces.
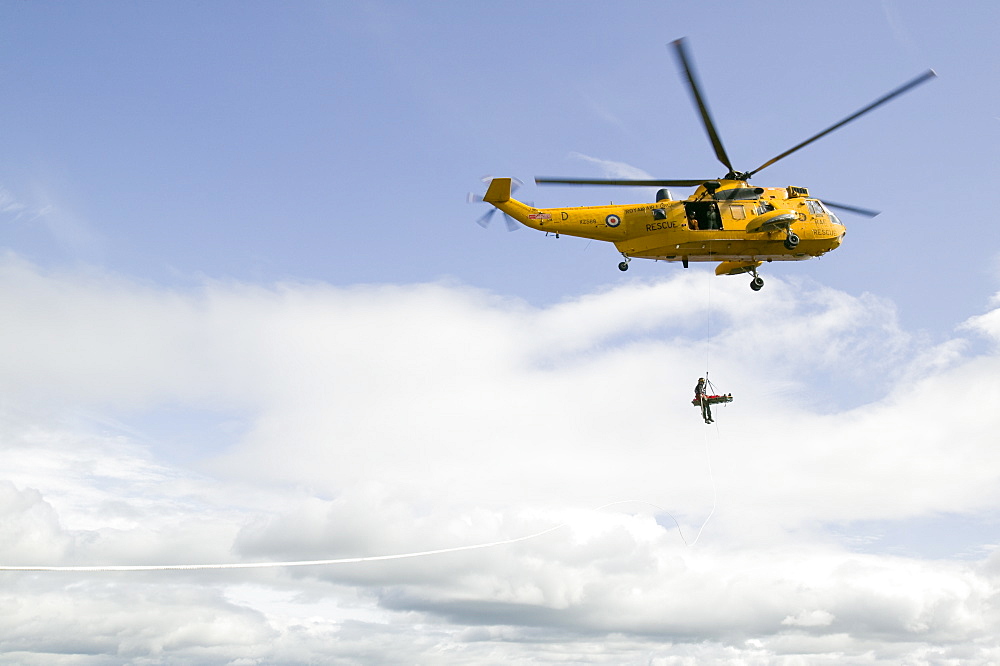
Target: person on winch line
pixel 699 395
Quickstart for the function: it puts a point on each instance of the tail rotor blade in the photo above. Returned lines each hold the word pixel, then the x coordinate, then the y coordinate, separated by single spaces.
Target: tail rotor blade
pixel 484 220
pixel 487 217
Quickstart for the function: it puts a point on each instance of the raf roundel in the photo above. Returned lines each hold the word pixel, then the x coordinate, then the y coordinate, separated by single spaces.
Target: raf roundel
pixel 612 221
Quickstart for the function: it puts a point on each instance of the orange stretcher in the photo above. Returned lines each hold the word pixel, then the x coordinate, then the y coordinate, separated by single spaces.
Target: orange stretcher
pixel 713 399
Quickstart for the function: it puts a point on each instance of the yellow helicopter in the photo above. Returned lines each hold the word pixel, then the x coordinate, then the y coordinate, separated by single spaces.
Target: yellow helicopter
pixel 726 220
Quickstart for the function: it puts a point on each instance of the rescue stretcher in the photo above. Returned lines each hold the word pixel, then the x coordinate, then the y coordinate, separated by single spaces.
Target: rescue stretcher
pixel 713 399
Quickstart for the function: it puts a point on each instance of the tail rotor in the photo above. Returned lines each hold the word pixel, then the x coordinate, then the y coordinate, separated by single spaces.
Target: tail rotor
pixel 487 217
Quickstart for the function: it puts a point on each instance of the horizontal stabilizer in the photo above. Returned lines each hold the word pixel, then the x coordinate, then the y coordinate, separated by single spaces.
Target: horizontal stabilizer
pixel 736 267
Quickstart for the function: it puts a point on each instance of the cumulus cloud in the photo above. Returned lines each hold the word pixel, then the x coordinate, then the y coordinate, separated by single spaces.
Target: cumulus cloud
pixel 384 419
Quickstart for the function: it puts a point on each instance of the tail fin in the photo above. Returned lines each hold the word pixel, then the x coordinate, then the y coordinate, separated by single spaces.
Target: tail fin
pixel 498 192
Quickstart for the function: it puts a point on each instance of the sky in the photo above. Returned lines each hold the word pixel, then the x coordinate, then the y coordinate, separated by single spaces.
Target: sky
pixel 249 318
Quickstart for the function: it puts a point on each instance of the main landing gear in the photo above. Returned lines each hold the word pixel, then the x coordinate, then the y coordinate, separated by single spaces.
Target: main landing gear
pixel 623 266
pixel 791 240
pixel 757 283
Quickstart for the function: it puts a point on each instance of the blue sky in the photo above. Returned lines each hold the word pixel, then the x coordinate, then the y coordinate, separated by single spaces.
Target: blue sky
pixel 250 317
pixel 337 141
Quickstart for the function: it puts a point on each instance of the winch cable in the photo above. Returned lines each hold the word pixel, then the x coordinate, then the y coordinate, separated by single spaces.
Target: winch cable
pixel 709 388
pixel 708 319
pixel 715 490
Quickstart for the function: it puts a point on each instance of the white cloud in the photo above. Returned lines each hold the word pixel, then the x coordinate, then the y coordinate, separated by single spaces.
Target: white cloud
pixel 614 169
pixel 29 527
pixel 813 618
pixel 987 324
pixel 392 419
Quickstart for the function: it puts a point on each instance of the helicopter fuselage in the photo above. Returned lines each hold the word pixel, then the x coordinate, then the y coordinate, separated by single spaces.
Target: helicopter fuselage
pixel 723 221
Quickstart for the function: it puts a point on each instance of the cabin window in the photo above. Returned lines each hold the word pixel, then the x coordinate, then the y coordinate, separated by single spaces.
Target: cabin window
pixel 738 212
pixel 702 215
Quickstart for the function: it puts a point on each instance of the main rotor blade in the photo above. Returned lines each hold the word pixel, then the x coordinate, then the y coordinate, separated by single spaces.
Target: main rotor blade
pixel 699 101
pixel 623 183
pixel 867 212
pixel 929 74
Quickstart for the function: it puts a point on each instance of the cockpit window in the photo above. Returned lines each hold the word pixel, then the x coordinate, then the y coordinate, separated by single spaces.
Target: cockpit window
pixel 815 207
pixel 833 216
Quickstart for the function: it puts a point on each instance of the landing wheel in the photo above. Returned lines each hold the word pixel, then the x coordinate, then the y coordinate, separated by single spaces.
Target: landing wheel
pixel 623 266
pixel 757 283
pixel 792 241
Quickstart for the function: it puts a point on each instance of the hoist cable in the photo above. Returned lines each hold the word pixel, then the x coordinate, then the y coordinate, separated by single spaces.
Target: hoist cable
pixel 708 317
